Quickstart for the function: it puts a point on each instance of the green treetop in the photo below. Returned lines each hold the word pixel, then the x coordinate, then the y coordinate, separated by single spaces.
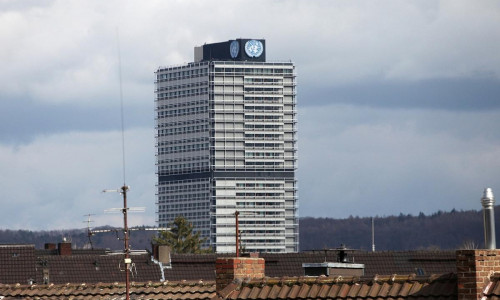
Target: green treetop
pixel 181 238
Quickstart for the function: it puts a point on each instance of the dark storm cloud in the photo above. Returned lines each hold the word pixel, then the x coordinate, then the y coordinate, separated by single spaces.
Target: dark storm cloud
pixel 448 94
pixel 390 107
pixel 23 120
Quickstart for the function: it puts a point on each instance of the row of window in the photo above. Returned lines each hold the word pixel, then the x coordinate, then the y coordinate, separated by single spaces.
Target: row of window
pixel 263 154
pixel 166 169
pixel 264 163
pixel 271 108
pixel 182 104
pixel 254 71
pixel 182 112
pixel 181 86
pixel 260 80
pixel 182 93
pixel 263 90
pixel 270 127
pixel 184 206
pixel 263 242
pixel 263 117
pixel 185 166
pixel 182 74
pixel 259 185
pixel 184 197
pixel 183 148
pixel 183 141
pixel 266 99
pixel 274 136
pixel 186 158
pixel 183 130
pixel 246 204
pixel 264 145
pixel 184 185
pixel 263 194
pixel 266 222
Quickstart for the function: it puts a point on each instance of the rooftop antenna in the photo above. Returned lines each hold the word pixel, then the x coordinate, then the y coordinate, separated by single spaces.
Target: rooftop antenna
pixel 123 190
pixel 89 231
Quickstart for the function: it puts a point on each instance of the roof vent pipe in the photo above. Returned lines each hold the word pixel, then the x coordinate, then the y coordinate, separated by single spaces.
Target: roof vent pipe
pixel 488 202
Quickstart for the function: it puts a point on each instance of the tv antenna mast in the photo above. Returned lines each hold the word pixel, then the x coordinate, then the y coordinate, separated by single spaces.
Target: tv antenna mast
pixel 126 250
pixel 123 190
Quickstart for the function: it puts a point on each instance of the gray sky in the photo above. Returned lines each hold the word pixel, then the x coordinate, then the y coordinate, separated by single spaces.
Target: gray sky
pixel 399 101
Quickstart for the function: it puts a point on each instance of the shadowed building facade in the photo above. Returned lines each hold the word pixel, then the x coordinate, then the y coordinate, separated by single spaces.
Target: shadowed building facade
pixel 226 142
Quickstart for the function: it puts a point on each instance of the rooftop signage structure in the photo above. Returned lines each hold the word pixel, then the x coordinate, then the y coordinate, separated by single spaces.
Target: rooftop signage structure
pixel 233 50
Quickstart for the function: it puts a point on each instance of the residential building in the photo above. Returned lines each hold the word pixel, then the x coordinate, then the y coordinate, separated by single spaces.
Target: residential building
pixel 477 276
pixel 61 264
pixel 226 141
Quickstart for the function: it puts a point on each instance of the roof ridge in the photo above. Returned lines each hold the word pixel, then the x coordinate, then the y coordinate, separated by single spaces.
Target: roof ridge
pixel 183 283
pixel 400 278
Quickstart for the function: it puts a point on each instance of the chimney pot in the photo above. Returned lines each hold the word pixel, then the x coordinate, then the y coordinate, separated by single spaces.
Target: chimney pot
pixel 488 202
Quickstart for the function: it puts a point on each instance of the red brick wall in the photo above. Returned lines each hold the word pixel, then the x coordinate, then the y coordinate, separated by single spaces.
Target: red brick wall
pixel 474 268
pixel 64 248
pixel 229 269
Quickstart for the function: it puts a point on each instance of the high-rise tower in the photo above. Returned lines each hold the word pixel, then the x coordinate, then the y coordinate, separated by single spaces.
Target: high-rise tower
pixel 226 142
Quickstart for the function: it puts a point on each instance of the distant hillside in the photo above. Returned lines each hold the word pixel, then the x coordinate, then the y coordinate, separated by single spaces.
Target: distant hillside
pixel 442 230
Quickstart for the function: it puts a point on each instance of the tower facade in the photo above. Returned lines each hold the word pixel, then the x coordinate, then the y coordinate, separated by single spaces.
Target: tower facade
pixel 226 142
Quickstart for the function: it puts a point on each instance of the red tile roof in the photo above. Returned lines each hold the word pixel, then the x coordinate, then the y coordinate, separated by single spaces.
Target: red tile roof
pixel 492 290
pixel 381 287
pixel 103 291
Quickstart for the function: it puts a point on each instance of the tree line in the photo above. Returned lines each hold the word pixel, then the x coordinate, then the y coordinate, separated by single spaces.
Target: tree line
pixel 441 230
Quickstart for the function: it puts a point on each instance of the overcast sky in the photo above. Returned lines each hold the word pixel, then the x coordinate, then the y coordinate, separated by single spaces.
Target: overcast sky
pixel 398 101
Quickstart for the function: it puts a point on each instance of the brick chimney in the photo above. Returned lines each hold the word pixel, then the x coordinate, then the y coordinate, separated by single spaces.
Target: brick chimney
pixel 474 268
pixel 64 248
pixel 229 269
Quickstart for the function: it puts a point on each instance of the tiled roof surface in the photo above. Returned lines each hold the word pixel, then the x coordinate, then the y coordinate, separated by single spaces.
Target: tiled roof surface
pixel 389 287
pixel 17 263
pixel 492 290
pixel 94 268
pixel 196 266
pixel 139 291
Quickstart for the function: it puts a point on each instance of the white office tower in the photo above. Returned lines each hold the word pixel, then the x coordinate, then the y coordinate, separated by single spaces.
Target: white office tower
pixel 226 142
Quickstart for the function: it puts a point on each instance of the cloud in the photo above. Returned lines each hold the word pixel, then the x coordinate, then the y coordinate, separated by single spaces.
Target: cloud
pixel 397 100
pixel 56 179
pixel 376 161
pixel 67 52
pixel 442 94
